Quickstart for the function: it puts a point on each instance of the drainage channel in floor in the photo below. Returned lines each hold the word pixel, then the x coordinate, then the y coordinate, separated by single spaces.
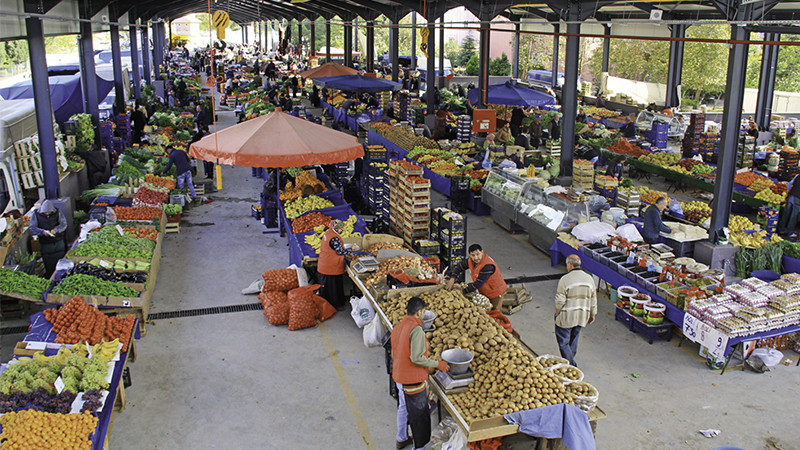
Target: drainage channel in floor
pixel 13 330
pixel 534 278
pixel 205 311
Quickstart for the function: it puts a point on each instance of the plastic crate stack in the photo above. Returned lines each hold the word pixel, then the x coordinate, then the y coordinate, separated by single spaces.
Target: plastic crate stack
pixel 464 128
pixel 691 139
pixel 582 173
pixel 107 134
pixel 404 108
pixel 385 97
pixel 607 187
pixel 341 171
pixel 658 135
pixel 29 163
pixel 746 153
pixel 630 201
pixel 124 128
pixel 459 193
pixel 709 144
pixel 451 232
pixel 301 111
pixel 376 174
pixel 768 219
pixel 788 165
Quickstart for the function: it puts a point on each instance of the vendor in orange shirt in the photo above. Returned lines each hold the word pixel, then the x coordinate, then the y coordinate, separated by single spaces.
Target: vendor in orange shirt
pixel 486 277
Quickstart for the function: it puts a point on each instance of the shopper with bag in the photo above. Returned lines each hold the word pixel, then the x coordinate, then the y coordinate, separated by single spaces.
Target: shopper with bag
pixel 486 277
pixel 410 366
pixel 330 268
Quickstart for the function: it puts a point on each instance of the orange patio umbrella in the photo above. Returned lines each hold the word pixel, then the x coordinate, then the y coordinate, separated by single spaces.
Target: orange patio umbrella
pixel 277 140
pixel 330 69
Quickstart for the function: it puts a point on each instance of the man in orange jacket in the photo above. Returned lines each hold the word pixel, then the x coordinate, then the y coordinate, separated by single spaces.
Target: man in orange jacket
pixel 410 364
pixel 486 277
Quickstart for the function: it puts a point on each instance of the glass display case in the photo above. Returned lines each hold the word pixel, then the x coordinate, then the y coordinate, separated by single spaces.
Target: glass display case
pixel 645 119
pixel 544 214
pixel 501 192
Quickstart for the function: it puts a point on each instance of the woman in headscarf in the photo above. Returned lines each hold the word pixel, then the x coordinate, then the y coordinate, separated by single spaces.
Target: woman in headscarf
pixel 331 265
pixel 49 224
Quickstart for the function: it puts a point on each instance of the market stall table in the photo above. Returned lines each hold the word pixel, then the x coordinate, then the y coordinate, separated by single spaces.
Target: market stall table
pixel 41 332
pixel 487 428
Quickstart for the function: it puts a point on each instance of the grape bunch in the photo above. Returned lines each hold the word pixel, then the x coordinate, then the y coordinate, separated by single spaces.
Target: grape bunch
pixel 91 400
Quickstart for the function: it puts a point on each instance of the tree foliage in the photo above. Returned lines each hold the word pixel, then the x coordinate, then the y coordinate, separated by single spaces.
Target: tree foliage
pixel 536 53
pixel 634 60
pixel 787 78
pixel 13 52
pixel 500 67
pixel 467 52
pixel 473 65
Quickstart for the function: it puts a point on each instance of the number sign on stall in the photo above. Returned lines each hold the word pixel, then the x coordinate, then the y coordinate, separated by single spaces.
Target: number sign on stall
pixel 705 335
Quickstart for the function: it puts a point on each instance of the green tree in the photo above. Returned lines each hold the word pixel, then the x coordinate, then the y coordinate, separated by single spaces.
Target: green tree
pixel 473 65
pixel 786 76
pixel 452 50
pixel 467 51
pixel 16 52
pixel 535 53
pixel 633 59
pixel 704 63
pixel 500 67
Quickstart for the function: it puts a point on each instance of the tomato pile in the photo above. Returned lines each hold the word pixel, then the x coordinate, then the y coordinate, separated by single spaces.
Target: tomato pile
pixel 78 322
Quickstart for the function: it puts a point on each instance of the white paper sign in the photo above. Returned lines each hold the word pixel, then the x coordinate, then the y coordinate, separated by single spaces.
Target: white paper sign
pixel 697 331
pixel 59 384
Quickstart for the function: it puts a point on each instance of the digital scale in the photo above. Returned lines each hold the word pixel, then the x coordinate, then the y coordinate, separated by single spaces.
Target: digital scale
pixel 452 382
pixel 366 264
pixel 663 251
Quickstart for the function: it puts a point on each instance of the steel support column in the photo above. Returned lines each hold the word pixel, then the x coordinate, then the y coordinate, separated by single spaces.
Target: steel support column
pixel 766 81
pixel 394 50
pixel 299 37
pixel 44 109
pixel 355 34
pixel 675 69
pixel 157 51
pixel 729 141
pixel 441 51
pixel 370 52
pixel 328 40
pixel 146 55
pixel 312 45
pixel 430 79
pixel 569 95
pixel 413 40
pixel 88 73
pixel 169 43
pixel 484 60
pixel 515 64
pixel 556 45
pixel 116 58
pixel 348 44
pixel 136 77
pixel 606 47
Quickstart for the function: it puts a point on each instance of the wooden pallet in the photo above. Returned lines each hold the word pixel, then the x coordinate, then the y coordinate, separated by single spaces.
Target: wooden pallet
pixel 173 228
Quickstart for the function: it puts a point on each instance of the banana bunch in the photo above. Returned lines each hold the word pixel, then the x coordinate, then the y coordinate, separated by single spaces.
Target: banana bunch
pixel 39 356
pixel 679 169
pixel 315 240
pixel 106 350
pixel 757 239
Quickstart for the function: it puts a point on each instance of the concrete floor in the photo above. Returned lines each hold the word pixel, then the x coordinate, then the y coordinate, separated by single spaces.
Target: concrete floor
pixel 232 381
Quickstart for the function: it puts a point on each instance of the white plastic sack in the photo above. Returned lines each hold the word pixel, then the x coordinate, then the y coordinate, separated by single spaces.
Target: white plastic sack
pixel 458 441
pixel 362 311
pixel 592 231
pixel 629 232
pixel 373 333
pixel 254 288
pixel 302 275
pixel 88 227
pixel 770 356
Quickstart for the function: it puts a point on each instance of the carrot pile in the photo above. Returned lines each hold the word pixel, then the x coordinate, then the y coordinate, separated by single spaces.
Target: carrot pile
pixel 309 221
pixel 165 182
pixel 623 147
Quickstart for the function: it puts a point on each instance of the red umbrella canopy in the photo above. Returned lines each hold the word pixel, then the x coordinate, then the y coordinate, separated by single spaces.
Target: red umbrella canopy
pixel 277 140
pixel 330 69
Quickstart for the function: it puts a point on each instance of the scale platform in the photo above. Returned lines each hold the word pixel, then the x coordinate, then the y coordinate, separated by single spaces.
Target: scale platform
pixel 455 383
pixel 366 264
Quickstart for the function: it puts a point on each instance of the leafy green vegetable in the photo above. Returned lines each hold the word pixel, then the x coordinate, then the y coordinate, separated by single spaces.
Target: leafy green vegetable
pixel 109 251
pixel 125 168
pixel 22 283
pixel 171 209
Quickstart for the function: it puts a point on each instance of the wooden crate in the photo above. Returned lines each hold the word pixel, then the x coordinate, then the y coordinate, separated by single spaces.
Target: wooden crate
pixel 173 228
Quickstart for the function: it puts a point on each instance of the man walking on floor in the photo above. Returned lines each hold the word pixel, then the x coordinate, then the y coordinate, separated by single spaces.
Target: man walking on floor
pixel 576 307
pixel 410 364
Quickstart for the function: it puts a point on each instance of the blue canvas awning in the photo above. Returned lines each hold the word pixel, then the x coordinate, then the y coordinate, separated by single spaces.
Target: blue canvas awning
pixel 357 83
pixel 509 93
pixel 66 94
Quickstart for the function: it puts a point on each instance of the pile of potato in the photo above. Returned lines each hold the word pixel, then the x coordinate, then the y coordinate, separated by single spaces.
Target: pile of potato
pixel 567 372
pixel 548 361
pixel 586 395
pixel 507 377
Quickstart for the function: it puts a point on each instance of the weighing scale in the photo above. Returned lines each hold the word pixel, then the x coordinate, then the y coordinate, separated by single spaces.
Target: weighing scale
pixel 452 383
pixel 664 251
pixel 366 264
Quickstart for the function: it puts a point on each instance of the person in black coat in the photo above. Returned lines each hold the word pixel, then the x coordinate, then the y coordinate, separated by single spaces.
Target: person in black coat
pixel 181 90
pixel 516 121
pixel 287 105
pixel 629 129
pixel 138 122
pixel 615 167
pixel 555 129
pixel 522 139
pixel 200 117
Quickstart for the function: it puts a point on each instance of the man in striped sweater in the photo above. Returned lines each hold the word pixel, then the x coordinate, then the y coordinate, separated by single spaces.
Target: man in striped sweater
pixel 576 307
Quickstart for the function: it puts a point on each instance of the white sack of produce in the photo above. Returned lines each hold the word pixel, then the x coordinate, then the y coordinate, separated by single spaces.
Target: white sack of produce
pixel 362 311
pixel 254 288
pixel 373 333
pixel 629 232
pixel 592 231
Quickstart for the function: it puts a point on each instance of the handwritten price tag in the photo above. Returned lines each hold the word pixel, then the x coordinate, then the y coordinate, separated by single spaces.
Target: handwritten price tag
pixel 705 335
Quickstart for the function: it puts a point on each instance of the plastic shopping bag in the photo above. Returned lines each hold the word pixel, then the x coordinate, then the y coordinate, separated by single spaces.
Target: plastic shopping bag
pixel 362 311
pixel 458 441
pixel 373 333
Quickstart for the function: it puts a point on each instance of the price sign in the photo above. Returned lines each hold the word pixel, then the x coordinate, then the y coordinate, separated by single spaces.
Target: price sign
pixel 697 331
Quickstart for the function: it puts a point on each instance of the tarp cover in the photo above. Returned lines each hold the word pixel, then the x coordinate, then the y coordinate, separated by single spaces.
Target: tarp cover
pixel 277 140
pixel 509 93
pixel 357 83
pixel 330 69
pixel 66 94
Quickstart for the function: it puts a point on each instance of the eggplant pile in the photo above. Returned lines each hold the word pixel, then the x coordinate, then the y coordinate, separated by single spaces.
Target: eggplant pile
pixel 107 274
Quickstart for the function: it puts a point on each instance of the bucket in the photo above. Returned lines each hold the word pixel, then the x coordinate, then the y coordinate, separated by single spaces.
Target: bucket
pixel 637 304
pixel 427 319
pixel 654 313
pixel 613 295
pixel 458 359
pixel 616 212
pixel 624 294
